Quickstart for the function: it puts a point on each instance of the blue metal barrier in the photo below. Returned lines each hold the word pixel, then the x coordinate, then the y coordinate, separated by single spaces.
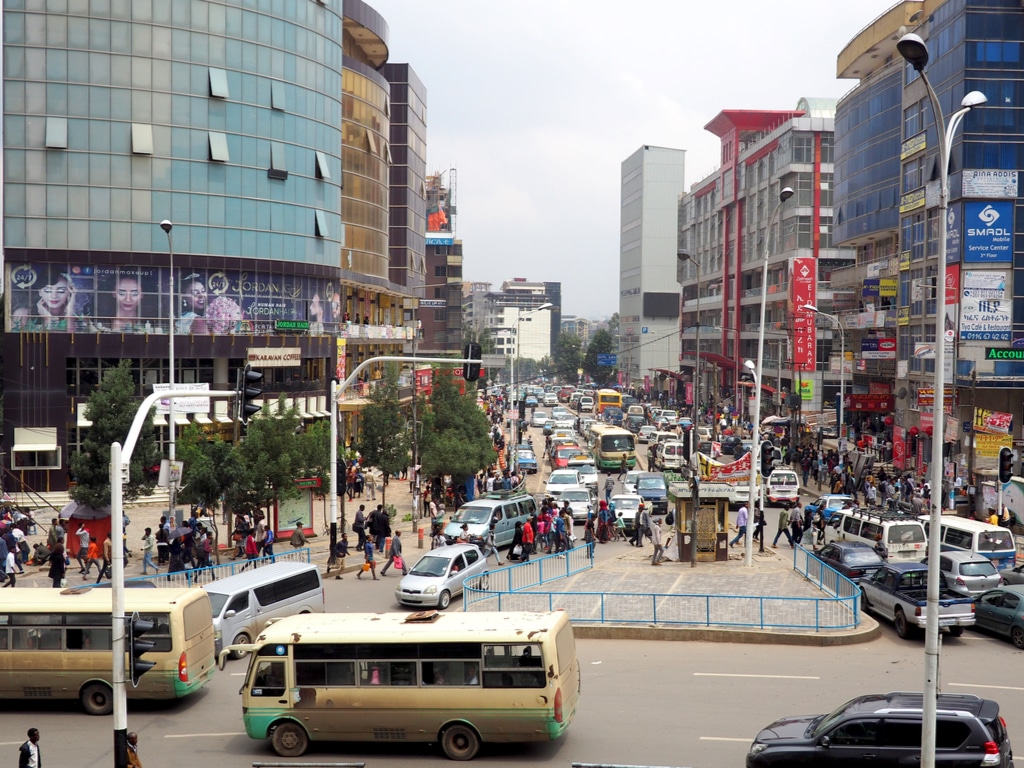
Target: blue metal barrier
pixel 532 573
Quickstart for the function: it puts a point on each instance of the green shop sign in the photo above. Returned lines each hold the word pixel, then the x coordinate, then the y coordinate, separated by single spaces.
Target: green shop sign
pixel 1000 353
pixel 291 325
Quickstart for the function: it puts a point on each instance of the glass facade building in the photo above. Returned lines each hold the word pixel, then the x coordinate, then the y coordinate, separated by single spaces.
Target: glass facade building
pixel 260 129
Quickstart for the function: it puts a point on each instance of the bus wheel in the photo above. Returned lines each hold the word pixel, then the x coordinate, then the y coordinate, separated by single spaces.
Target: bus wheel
pixel 444 600
pixel 240 639
pixel 460 742
pixel 289 740
pixel 97 699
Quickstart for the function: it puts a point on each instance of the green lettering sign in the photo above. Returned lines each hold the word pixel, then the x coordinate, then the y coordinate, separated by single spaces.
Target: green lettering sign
pixel 1000 353
pixel 291 325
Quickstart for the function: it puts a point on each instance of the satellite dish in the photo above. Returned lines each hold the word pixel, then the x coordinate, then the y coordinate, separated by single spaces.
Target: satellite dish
pixel 902 393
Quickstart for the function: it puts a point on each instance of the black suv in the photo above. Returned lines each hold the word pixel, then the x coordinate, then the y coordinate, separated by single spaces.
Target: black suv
pixel 885 729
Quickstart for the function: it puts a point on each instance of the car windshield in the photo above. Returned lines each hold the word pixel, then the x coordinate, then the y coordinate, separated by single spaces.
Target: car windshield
pixel 650 483
pixel 621 504
pixel 978 568
pixel 557 479
pixel 862 557
pixel 217 602
pixel 473 515
pixel 990 541
pixel 431 565
pixel 782 478
pixel 565 453
pixel 585 469
pixel 575 496
pixel 528 455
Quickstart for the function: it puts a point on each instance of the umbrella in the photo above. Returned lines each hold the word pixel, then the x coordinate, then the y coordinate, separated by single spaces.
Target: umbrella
pixel 81 511
pixel 176 532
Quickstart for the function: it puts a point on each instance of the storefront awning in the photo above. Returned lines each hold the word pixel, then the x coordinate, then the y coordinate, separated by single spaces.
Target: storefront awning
pixel 201 418
pixel 765 387
pixel 159 420
pixel 181 419
pixel 34 439
pixel 671 374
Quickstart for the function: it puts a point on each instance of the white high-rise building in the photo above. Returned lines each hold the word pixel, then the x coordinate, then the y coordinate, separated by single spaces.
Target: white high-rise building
pixel 652 180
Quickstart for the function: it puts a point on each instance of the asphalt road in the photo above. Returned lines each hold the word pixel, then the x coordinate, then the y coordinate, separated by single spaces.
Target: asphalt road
pixel 642 703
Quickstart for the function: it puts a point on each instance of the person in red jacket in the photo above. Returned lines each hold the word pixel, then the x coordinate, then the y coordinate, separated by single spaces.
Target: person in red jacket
pixel 528 537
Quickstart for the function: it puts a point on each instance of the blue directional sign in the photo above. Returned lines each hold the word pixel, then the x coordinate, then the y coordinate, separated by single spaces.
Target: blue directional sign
pixel 606 360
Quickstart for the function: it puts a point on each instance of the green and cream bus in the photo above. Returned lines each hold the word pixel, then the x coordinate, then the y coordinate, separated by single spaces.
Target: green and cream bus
pixel 610 445
pixel 56 644
pixel 458 679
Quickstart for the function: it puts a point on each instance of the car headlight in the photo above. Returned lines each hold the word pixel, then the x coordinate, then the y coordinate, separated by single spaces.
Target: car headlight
pixel 757 748
pixel 432 590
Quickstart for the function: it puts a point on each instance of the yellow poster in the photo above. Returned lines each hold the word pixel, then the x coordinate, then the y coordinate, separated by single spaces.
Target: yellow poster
pixel 987 446
pixel 806 389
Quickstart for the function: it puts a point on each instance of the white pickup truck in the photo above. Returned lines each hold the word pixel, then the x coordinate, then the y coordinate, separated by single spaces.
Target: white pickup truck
pixel 898 592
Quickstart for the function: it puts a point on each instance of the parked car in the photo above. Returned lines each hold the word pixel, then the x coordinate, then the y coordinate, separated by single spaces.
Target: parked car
pixel 1001 610
pixel 582 501
pixel 884 730
pixel 561 479
pixel 967 574
pixel 538 418
pixel 853 559
pixel 645 433
pixel 440 575
pixel 527 461
pixel 898 592
pixel 1013 575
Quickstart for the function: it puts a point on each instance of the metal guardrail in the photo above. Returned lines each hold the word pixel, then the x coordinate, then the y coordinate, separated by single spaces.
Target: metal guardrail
pixel 520 576
pixel 194 576
pixel 506 591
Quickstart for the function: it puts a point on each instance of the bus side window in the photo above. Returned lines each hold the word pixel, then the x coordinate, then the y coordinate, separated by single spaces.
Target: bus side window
pixel 269 679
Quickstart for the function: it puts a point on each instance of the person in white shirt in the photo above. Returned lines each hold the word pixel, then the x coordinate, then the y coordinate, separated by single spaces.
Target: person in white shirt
pixel 11 569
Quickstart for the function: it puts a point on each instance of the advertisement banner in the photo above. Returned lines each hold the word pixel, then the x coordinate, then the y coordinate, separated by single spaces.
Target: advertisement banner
pixel 63 298
pixel 689 393
pixel 988 232
pixel 954 216
pixel 988 284
pixel 877 348
pixel 988 446
pixel 992 422
pixel 183 404
pixel 806 389
pixel 989 183
pixel 899 448
pixel 339 367
pixel 804 284
pixel 985 319
pixel 734 472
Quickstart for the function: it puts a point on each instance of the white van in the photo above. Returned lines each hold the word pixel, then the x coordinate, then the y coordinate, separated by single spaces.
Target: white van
pixel 670 455
pixel 960 534
pixel 504 508
pixel 244 603
pixel 903 536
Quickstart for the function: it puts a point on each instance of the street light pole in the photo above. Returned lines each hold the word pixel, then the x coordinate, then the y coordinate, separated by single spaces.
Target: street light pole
pixel 912 48
pixel 748 554
pixel 842 370
pixel 172 483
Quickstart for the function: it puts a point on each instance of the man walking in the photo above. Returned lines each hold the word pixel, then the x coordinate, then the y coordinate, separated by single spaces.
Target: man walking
pixel 796 525
pixel 84 537
pixel 623 468
pixel 148 545
pixel 395 554
pixel 783 528
pixel 28 753
pixel 741 524
pixel 609 486
pixel 659 550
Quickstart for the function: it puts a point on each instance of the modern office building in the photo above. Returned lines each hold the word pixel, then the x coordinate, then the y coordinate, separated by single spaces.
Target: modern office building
pixel 973 46
pixel 237 121
pixel 652 179
pixel 729 222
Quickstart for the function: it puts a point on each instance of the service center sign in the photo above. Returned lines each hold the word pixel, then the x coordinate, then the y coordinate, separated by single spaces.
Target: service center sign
pixel 988 232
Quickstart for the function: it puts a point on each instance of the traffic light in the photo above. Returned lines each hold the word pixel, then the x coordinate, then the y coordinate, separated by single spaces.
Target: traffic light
pixel 1005 465
pixel 686 441
pixel 247 390
pixel 342 470
pixel 767 457
pixel 471 371
pixel 137 647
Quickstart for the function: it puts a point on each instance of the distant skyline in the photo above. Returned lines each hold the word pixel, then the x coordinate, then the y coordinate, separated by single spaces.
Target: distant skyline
pixel 536 104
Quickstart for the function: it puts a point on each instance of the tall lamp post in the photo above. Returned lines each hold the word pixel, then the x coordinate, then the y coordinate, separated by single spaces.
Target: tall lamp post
pixel 912 48
pixel 684 256
pixel 842 369
pixel 515 383
pixel 748 554
pixel 172 485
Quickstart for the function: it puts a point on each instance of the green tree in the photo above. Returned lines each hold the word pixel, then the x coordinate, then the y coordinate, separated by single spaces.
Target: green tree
pixel 210 472
pixel 384 441
pixel 112 407
pixel 455 433
pixel 613 325
pixel 568 356
pixel 270 459
pixel 484 338
pixel 600 344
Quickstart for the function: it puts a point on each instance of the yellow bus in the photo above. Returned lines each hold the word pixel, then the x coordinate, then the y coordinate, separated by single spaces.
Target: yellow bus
pixel 607 398
pixel 459 679
pixel 610 444
pixel 56 644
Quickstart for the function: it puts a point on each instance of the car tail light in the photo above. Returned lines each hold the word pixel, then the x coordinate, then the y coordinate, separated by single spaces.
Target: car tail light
pixel 992 755
pixel 991 748
pixel 183 668
pixel 856 574
pixel 558 707
pixel 960 582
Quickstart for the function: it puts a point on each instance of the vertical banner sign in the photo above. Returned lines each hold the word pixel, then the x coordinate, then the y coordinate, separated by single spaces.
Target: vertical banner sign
pixel 804 287
pixel 339 370
pixel 689 393
pixel 899 448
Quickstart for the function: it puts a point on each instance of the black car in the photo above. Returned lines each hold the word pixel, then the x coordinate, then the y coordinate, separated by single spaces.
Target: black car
pixel 885 731
pixel 854 559
pixel 730 443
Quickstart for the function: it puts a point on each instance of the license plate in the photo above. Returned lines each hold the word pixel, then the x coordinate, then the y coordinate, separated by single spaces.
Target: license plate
pixel 947 622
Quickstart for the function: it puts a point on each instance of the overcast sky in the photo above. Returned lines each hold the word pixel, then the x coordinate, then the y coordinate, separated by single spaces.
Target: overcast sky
pixel 536 103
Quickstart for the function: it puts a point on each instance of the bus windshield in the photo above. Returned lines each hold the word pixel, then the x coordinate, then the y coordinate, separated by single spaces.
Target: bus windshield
pixel 617 443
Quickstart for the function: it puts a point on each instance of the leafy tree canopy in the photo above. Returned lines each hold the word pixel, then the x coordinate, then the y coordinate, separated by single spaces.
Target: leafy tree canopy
pixel 568 356
pixel 600 344
pixel 455 433
pixel 385 441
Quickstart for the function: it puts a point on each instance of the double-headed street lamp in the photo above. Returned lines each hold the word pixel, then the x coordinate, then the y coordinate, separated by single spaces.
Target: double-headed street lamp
pixel 748 555
pixel 842 369
pixel 515 383
pixel 912 48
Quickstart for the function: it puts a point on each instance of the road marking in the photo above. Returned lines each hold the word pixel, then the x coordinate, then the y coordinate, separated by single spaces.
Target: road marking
pixel 723 738
pixel 200 735
pixel 237 674
pixel 993 687
pixel 769 677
